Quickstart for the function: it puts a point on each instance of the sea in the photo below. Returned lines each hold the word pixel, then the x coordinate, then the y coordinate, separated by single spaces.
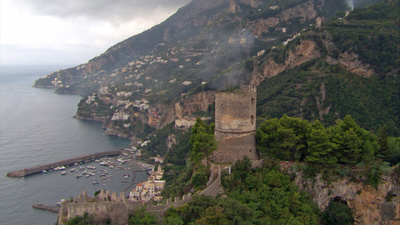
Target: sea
pixel 37 127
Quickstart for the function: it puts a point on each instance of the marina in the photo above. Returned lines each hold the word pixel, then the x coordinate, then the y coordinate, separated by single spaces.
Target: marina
pixel 37 128
pixel 61 164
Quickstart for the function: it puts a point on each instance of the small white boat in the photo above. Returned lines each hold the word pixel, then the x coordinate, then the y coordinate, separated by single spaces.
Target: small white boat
pixel 64 172
pixel 44 171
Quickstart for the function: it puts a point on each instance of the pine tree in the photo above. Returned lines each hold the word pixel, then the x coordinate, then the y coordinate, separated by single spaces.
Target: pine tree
pixel 320 147
pixel 202 140
pixel 383 151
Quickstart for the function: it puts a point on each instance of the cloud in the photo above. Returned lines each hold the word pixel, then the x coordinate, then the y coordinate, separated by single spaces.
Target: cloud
pixel 115 11
pixel 73 31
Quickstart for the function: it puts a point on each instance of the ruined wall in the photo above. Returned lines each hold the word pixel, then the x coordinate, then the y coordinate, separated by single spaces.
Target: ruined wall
pixel 213 189
pixel 235 112
pixel 235 126
pixel 108 205
pixel 101 211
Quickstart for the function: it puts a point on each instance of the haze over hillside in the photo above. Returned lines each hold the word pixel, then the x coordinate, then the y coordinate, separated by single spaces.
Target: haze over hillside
pixel 313 71
pixel 317 143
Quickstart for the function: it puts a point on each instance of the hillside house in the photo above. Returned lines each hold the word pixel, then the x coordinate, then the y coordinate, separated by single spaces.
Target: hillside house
pixel 150 189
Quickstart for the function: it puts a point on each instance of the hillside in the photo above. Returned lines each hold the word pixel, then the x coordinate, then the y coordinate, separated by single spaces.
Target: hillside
pixel 171 72
pixel 331 77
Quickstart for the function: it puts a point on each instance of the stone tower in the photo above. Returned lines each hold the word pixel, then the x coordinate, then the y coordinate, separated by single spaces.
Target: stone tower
pixel 235 126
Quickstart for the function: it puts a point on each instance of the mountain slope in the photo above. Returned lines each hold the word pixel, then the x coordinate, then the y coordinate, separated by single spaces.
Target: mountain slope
pixel 351 68
pixel 172 71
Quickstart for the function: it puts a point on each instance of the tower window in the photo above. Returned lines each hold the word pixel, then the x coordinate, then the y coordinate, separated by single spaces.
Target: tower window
pixel 253 100
pixel 252 119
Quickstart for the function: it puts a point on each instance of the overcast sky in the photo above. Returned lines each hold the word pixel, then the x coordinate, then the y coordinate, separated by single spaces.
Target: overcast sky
pixel 70 32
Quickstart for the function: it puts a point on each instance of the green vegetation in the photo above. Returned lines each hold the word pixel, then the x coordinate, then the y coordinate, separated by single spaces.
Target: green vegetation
pixel 157 145
pixel 307 90
pixel 141 217
pixel 179 152
pixel 344 143
pixel 331 151
pixel 194 174
pixel 263 196
pixel 318 90
pixel 202 140
pixel 80 220
pixel 337 212
pixel 371 32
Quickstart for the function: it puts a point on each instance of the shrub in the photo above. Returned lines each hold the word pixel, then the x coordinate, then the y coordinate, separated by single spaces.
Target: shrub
pixel 337 212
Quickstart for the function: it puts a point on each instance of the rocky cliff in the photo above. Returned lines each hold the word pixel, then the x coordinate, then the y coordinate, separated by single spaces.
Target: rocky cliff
pixel 370 205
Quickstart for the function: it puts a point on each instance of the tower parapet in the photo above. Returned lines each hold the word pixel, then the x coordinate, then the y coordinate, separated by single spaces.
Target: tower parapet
pixel 235 125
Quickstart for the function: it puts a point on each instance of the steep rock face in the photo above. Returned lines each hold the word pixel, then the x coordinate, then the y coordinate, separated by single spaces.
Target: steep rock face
pixel 320 102
pixel 350 62
pixel 303 12
pixel 306 51
pixel 194 103
pixel 368 204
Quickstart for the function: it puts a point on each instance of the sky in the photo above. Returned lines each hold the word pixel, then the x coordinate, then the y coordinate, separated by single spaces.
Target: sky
pixel 71 32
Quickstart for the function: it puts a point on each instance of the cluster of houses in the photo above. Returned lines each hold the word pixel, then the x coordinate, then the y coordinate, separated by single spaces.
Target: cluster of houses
pixel 150 189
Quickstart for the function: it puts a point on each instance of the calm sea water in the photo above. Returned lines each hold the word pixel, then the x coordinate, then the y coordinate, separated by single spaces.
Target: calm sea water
pixel 36 128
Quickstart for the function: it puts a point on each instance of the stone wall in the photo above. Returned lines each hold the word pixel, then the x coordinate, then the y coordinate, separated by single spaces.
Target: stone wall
pixel 234 146
pixel 108 205
pixel 236 112
pixel 214 188
pixel 235 126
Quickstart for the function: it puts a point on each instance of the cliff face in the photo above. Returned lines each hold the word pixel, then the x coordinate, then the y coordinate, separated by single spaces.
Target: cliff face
pixel 303 13
pixel 197 102
pixel 369 205
pixel 306 51
pixel 352 63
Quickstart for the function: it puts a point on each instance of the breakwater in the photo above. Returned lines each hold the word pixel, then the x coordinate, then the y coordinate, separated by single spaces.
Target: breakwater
pixel 49 208
pixel 67 162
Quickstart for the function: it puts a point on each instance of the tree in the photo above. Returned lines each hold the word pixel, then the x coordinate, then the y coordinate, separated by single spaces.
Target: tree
pixel 141 217
pixel 286 138
pixel 320 147
pixel 338 212
pixel 213 215
pixel 202 140
pixel 354 143
pixel 394 149
pixel 383 151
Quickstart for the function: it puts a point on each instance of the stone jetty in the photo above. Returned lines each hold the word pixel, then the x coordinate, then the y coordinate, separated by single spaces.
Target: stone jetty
pixel 67 162
pixel 49 208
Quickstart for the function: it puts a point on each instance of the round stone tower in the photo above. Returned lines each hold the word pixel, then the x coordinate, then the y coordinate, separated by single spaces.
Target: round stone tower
pixel 235 125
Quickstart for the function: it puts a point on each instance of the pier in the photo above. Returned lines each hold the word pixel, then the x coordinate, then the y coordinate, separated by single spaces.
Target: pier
pixel 49 208
pixel 67 162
